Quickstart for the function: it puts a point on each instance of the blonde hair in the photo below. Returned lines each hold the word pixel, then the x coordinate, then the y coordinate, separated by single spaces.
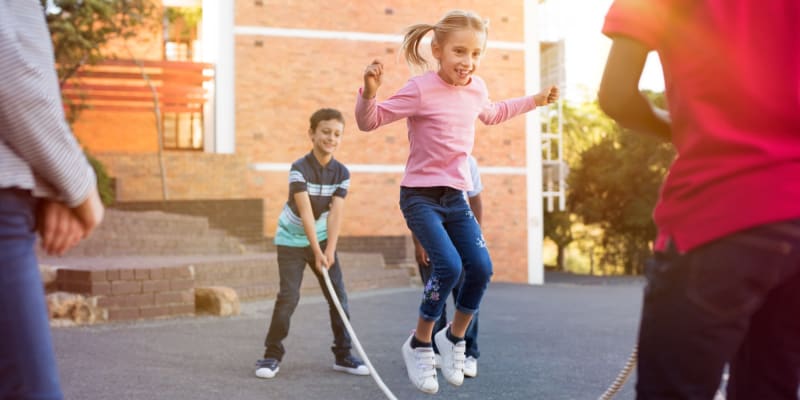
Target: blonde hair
pixel 454 20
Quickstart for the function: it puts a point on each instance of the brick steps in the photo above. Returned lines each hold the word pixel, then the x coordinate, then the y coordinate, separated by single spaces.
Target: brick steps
pixel 155 233
pixel 113 244
pixel 143 287
pixel 130 287
pixel 149 222
pixel 142 265
pixel 132 292
pixel 256 276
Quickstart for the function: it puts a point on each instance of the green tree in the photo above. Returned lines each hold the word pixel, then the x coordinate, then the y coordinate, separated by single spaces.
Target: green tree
pixel 583 125
pixel 616 186
pixel 80 30
pixel 558 228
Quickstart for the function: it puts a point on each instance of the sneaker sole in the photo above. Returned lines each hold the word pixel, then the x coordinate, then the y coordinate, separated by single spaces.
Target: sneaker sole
pixel 267 375
pixel 351 371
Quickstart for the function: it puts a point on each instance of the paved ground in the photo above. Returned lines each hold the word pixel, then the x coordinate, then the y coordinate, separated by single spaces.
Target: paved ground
pixel 564 340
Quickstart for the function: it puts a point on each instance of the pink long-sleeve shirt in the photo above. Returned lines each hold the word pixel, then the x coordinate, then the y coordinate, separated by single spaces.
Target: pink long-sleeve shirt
pixel 441 125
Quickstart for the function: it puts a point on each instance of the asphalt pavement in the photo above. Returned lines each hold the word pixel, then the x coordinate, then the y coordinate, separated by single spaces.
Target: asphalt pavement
pixel 567 339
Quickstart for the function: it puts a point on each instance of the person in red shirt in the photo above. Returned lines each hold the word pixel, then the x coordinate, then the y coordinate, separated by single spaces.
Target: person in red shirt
pixel 724 286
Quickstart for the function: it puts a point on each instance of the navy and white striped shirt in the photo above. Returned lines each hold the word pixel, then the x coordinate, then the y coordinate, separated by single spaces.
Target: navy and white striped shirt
pixel 37 149
pixel 321 183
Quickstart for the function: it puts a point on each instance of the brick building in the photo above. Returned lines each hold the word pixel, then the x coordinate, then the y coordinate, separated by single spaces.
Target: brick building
pixel 275 62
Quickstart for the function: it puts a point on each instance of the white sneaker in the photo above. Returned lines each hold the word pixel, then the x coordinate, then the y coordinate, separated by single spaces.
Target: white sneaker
pixel 437 361
pixel 470 367
pixel 452 357
pixel 419 364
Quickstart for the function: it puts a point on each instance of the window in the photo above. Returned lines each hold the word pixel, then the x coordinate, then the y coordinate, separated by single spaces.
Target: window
pixel 183 130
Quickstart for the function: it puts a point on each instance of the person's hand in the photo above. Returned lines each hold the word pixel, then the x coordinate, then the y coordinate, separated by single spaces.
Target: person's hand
pixel 320 260
pixel 59 227
pixel 421 256
pixel 90 212
pixel 546 96
pixel 330 257
pixel 372 79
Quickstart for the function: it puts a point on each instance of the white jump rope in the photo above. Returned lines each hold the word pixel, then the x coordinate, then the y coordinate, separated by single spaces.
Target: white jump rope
pixel 356 343
pixel 612 390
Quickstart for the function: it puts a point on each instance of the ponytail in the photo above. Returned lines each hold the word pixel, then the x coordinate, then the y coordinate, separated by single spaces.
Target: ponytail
pixel 410 48
pixel 452 21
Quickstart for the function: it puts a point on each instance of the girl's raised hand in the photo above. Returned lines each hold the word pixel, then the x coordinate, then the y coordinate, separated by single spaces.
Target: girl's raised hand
pixel 546 96
pixel 372 79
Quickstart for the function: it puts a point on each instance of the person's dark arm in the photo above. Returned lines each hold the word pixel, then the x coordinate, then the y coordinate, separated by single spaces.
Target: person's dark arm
pixel 619 93
pixel 476 204
pixel 419 252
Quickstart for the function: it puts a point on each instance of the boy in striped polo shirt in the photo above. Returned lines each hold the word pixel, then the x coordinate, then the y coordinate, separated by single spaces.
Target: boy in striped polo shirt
pixel 308 229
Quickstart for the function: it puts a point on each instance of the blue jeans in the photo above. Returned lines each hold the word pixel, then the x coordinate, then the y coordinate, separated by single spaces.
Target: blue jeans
pixel 27 361
pixel 443 223
pixel 733 301
pixel 291 263
pixel 471 336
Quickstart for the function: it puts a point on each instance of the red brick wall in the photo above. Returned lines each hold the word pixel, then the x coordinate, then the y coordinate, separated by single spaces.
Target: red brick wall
pixel 281 81
pixel 190 175
pixel 505 18
pixel 128 294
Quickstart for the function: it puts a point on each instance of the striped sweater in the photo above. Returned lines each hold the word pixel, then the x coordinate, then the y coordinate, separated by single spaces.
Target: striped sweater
pixel 37 149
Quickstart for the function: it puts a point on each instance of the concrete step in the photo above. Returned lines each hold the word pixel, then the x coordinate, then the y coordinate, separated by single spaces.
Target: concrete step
pixel 149 222
pixel 115 243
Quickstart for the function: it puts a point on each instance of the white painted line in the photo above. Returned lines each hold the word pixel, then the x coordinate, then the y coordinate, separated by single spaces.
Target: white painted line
pixel 353 36
pixel 385 168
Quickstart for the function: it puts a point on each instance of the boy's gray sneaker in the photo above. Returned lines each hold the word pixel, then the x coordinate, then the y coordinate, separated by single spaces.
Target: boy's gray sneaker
pixel 267 368
pixel 352 365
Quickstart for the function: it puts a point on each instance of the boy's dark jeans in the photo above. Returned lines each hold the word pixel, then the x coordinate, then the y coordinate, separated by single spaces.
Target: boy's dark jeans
pixel 735 300
pixel 291 264
pixel 471 336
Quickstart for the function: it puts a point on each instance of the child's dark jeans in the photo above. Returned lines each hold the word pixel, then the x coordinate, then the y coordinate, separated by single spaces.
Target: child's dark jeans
pixel 733 301
pixel 291 264
pixel 443 223
pixel 471 336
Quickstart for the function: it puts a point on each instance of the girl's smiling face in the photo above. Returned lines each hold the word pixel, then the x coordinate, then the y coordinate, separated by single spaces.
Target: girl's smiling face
pixel 459 55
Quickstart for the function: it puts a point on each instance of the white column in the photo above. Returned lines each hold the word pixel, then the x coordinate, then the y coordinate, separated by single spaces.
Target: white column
pixel 218 48
pixel 533 150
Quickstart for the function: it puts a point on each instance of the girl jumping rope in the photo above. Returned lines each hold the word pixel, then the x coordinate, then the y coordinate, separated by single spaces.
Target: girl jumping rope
pixel 441 108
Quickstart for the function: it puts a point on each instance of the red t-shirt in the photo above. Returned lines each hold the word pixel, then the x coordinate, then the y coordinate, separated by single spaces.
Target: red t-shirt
pixel 732 74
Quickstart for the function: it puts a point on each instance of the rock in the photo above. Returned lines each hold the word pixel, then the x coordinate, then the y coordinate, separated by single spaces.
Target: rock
pixel 73 307
pixel 216 300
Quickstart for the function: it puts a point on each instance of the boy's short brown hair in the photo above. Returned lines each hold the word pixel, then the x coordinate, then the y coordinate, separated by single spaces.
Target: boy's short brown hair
pixel 324 114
